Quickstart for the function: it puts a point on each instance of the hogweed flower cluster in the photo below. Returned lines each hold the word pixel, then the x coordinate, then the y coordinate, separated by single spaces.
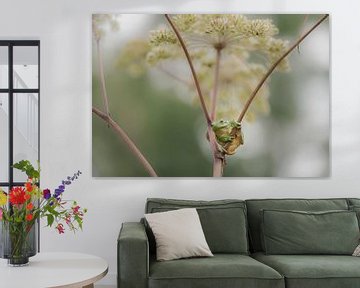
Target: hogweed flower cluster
pixel 248 47
pixel 100 22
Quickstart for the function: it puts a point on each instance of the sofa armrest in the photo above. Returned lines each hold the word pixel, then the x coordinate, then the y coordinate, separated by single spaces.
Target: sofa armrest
pixel 133 256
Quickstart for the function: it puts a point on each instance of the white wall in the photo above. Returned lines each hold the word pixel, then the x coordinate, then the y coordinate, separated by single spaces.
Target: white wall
pixel 63 26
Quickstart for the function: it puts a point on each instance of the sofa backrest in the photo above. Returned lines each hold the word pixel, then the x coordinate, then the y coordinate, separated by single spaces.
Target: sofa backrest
pixel 354 205
pixel 223 221
pixel 353 202
pixel 256 205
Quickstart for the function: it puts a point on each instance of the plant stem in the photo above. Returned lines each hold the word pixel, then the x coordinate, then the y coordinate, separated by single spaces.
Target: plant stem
pixel 216 85
pixel 111 123
pixel 175 77
pixel 302 26
pixel 218 157
pixel 272 68
pixel 102 78
pixel 133 148
pixel 197 85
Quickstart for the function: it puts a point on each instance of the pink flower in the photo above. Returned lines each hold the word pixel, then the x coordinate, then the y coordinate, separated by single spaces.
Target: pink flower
pixel 60 228
pixel 1 214
pixel 68 219
pixel 76 210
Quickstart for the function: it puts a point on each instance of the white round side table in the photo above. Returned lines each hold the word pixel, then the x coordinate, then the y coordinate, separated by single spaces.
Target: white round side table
pixel 50 270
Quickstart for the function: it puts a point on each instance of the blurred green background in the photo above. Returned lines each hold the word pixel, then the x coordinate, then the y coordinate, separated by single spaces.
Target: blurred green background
pixel 292 141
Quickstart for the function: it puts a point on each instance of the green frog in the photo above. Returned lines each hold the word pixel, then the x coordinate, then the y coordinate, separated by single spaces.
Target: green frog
pixel 228 135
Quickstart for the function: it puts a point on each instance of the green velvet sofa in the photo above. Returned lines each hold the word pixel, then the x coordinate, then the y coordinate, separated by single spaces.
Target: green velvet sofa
pixel 234 232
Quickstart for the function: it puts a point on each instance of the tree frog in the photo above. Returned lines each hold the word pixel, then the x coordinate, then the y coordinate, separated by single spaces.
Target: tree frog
pixel 228 135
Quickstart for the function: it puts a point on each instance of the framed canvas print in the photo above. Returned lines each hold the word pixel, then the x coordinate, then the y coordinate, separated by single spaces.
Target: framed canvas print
pixel 210 95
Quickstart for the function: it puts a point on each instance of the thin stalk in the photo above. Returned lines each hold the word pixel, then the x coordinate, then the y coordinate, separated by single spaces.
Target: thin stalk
pixel 272 68
pixel 172 75
pixel 218 157
pixel 197 85
pixel 216 85
pixel 123 135
pixel 302 26
pixel 102 78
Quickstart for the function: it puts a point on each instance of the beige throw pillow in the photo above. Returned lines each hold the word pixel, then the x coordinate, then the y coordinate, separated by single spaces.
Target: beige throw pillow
pixel 357 251
pixel 178 234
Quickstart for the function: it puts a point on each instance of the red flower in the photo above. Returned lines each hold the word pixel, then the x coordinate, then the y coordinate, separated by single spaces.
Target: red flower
pixel 29 186
pixel 27 196
pixel 17 196
pixel 29 206
pixel 60 228
pixel 29 217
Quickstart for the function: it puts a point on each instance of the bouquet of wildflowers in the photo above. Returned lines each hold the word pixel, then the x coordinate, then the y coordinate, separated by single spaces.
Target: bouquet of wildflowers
pixel 28 203
pixel 23 206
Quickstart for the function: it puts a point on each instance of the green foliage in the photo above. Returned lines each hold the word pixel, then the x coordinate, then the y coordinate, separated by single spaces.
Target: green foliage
pixel 26 167
pixel 50 219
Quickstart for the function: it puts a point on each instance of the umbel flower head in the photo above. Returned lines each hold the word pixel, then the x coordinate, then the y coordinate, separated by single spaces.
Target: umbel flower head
pixel 100 22
pixel 248 47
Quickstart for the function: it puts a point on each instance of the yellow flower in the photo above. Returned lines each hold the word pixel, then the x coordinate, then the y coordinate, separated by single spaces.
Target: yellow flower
pixel 3 198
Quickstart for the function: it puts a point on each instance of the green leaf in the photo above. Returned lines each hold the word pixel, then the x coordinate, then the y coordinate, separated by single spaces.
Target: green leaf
pixel 50 219
pixel 28 168
pixel 52 211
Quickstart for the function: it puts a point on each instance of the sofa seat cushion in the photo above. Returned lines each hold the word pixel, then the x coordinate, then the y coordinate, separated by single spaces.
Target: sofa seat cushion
pixel 313 271
pixel 222 270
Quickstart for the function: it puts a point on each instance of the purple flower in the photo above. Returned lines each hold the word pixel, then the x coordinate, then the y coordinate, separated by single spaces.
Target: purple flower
pixel 46 194
pixel 58 192
pixel 68 181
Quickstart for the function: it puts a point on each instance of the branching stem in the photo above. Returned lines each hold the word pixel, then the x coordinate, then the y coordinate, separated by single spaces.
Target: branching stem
pixel 187 54
pixel 216 85
pixel 102 77
pixel 218 157
pixel 273 67
pixel 110 122
pixel 123 135
pixel 174 76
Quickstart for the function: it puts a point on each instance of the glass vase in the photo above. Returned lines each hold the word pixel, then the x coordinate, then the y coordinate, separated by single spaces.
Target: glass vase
pixel 18 242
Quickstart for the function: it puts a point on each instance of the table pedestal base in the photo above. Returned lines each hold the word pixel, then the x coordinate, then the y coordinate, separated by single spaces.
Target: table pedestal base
pixel 89 286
